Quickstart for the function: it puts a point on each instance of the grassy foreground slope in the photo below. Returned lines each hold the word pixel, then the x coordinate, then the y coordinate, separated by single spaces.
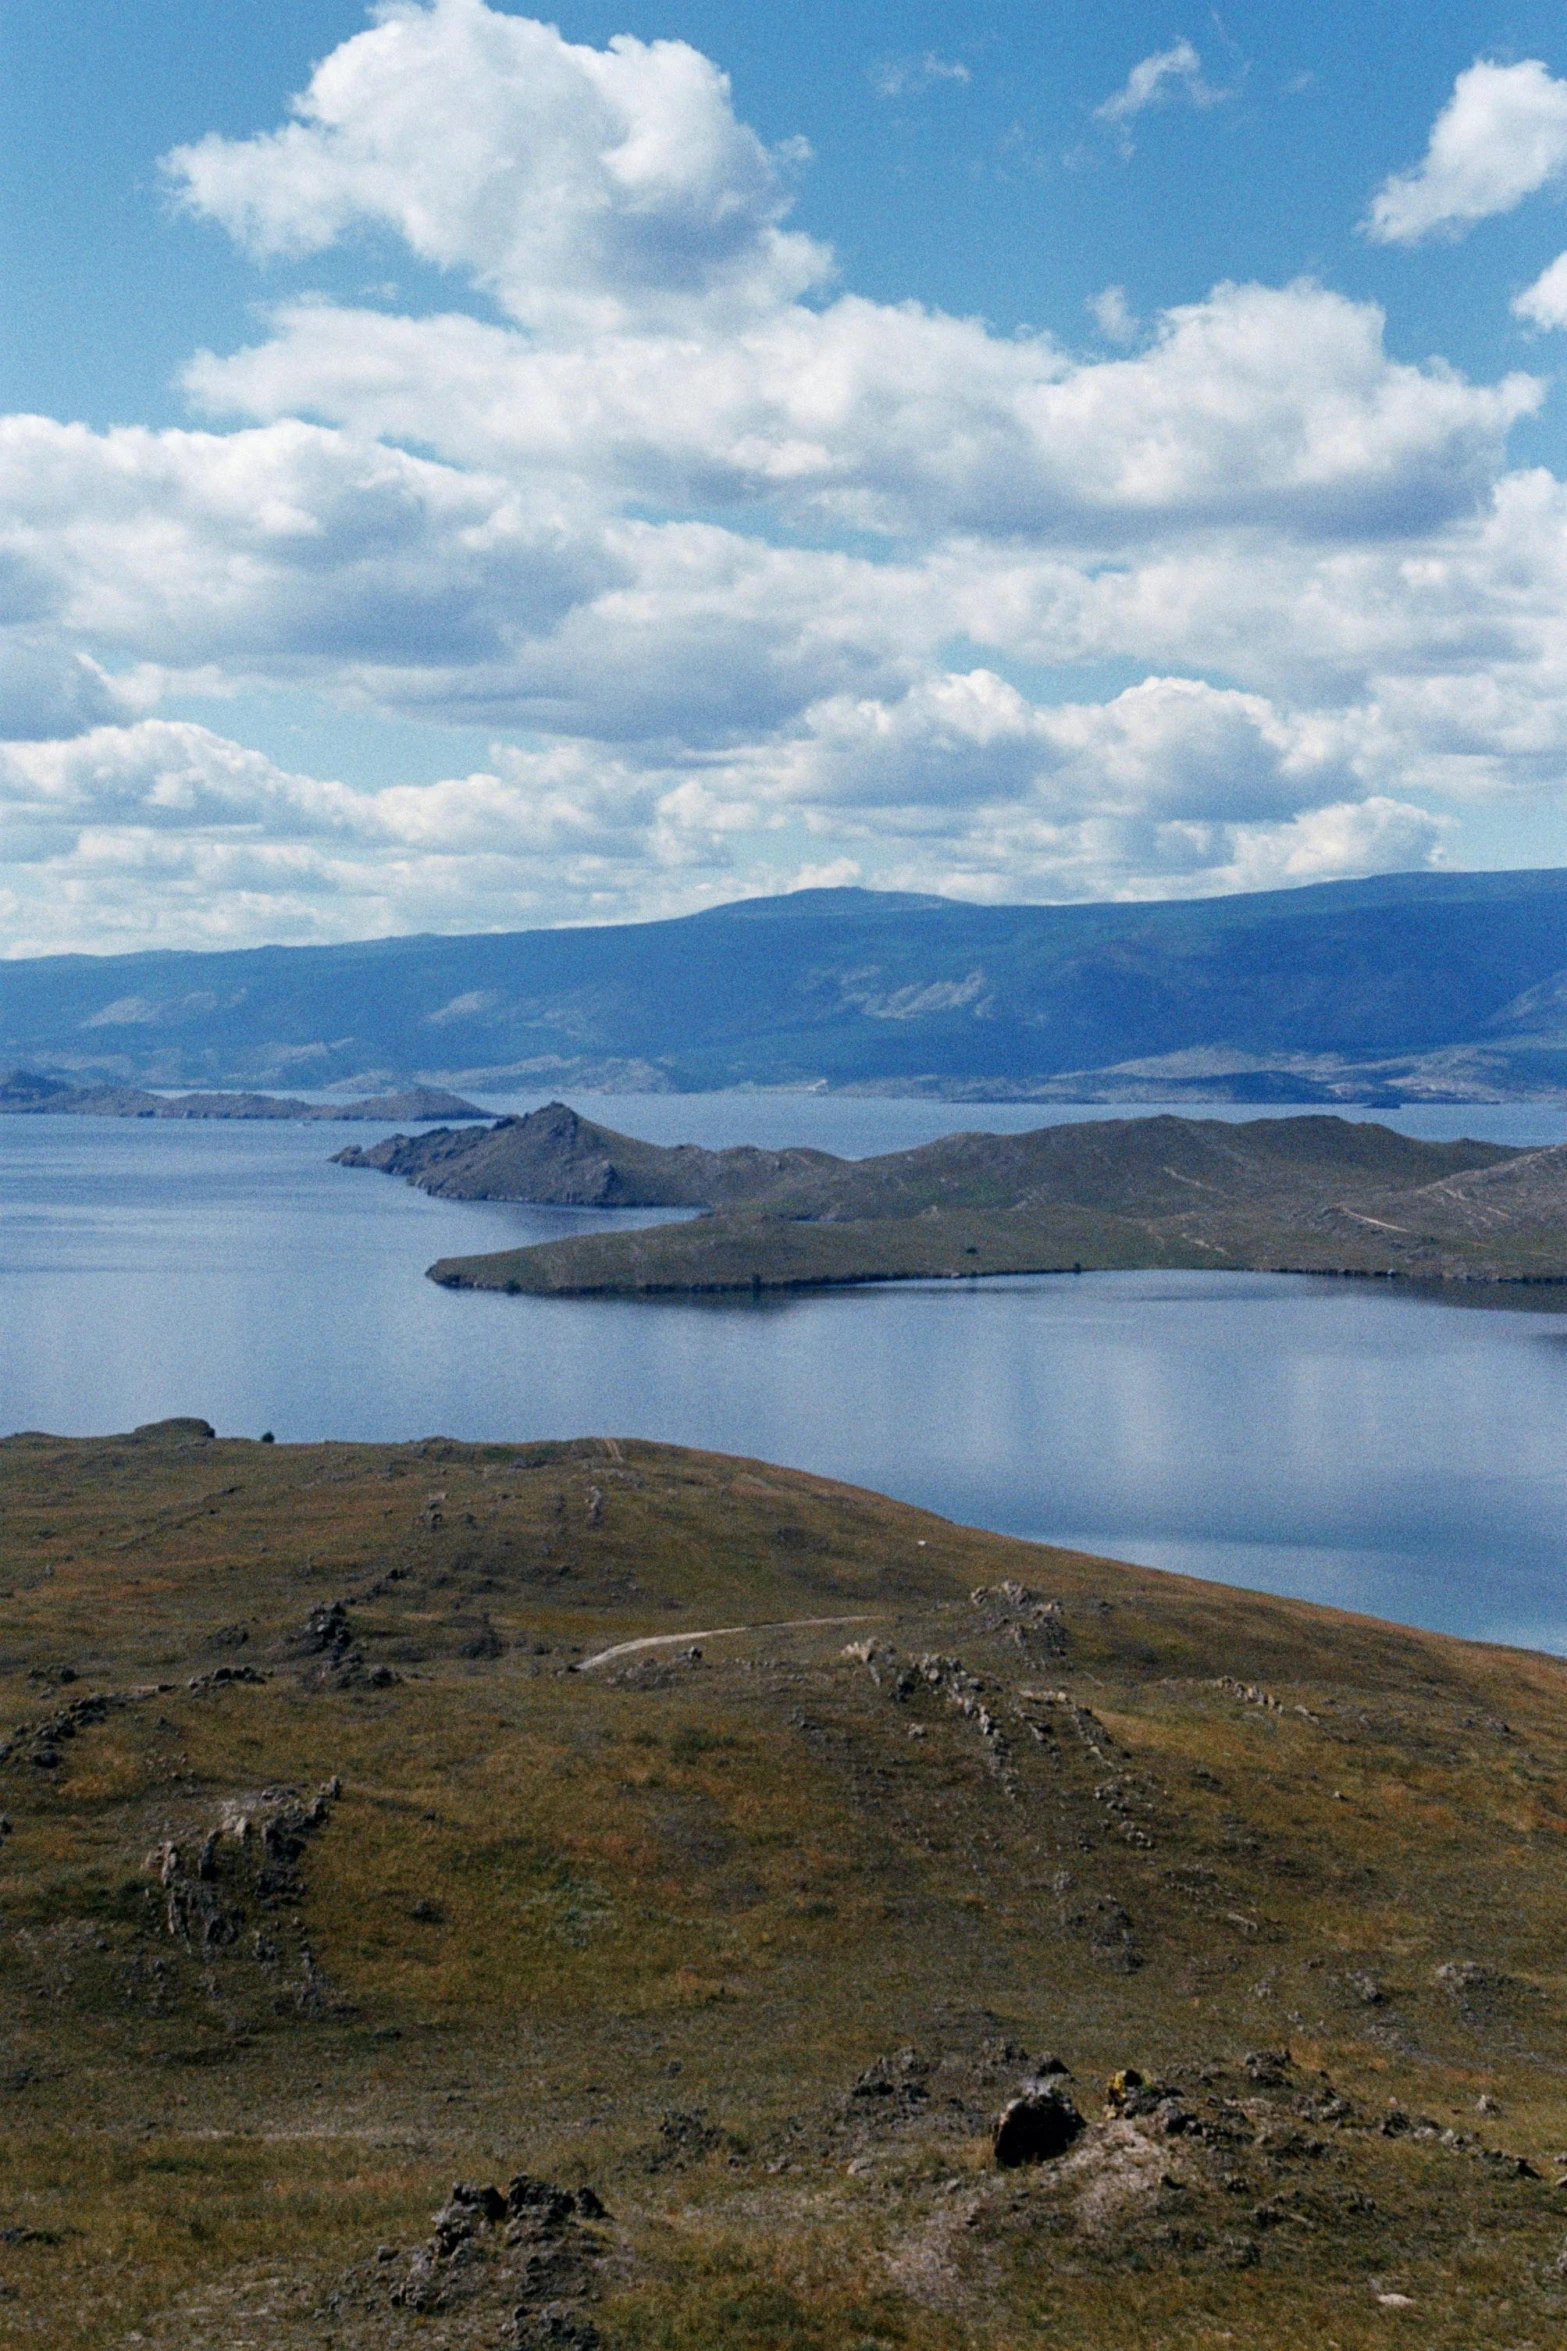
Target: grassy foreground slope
pixel 335 1870
pixel 1305 1194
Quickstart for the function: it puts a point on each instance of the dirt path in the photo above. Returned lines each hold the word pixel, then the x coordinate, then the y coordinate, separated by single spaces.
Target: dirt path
pixel 787 1624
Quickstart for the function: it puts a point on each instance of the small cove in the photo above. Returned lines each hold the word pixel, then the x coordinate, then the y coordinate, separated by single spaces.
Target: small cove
pixel 1373 1448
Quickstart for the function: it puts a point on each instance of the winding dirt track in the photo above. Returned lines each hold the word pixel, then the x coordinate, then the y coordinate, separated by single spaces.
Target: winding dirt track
pixel 784 1624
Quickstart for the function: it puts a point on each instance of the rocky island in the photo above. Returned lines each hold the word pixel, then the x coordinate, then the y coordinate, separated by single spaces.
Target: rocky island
pixel 26 1094
pixel 1310 1194
pixel 794 1921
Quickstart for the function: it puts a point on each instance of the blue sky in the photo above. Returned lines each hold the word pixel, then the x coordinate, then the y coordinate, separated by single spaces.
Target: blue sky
pixel 531 475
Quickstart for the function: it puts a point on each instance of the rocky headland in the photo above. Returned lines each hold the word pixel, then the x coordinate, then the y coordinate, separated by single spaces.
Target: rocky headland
pixel 1307 1194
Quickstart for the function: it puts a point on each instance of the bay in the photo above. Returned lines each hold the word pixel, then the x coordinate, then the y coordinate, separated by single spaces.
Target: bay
pixel 1349 1442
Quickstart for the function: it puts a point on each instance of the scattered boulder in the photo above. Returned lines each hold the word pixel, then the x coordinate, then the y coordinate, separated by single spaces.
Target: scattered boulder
pixel 467 2208
pixel 224 1676
pixel 524 2239
pixel 1268 2069
pixel 1036 2126
pixel 1249 1694
pixel 542 2205
pixel 949 1679
pixel 39 1743
pixel 1132 2095
pixel 327 1630
pixel 1110 1936
pixel 899 2080
pixel 328 1636
pixel 1025 1618
pixel 878 1656
pixel 1482 1997
pixel 210 1884
pixel 554 2328
pixel 686 2137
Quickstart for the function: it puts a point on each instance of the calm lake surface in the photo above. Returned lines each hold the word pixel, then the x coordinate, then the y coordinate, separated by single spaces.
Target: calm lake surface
pixel 1340 1440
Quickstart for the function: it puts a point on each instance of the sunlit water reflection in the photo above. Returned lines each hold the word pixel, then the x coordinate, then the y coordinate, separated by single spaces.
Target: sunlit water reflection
pixel 1340 1440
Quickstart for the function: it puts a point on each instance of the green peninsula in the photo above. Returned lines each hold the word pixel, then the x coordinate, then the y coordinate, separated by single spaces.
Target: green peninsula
pixel 1315 1194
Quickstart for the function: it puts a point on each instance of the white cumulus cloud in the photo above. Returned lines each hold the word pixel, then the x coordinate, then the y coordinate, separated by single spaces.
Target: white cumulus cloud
pixel 1501 136
pixel 1170 747
pixel 1167 75
pixel 906 77
pixel 572 183
pixel 961 786
pixel 290 546
pixel 745 576
pixel 1544 304
pixel 1257 402
pixel 1113 315
pixel 47 690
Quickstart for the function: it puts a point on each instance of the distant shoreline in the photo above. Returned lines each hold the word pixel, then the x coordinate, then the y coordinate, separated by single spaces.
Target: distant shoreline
pixel 26 1095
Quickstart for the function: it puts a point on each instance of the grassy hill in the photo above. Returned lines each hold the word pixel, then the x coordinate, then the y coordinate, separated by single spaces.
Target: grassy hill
pixel 731 1844
pixel 1303 1194
pixel 556 1156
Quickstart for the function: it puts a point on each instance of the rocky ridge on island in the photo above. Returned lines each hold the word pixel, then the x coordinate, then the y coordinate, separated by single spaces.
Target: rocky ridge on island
pixel 1306 1194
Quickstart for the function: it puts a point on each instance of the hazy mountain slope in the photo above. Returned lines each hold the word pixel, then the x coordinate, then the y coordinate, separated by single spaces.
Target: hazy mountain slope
pixel 1448 984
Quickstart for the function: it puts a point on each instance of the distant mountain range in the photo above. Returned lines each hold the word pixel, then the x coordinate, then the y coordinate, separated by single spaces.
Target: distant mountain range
pixel 1409 987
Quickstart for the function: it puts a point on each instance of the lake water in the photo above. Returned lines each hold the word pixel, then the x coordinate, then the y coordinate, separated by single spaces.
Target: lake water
pixel 1339 1440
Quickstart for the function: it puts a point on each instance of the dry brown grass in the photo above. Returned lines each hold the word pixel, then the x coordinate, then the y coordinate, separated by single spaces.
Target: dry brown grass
pixel 546 1908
